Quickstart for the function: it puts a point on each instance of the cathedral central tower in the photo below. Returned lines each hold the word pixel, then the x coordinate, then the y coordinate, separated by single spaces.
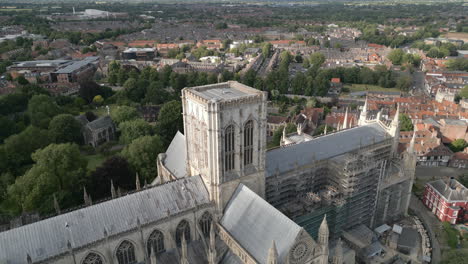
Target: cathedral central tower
pixel 225 127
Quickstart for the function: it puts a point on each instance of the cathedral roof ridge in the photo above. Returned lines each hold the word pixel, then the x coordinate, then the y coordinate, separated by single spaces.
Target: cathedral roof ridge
pixel 84 226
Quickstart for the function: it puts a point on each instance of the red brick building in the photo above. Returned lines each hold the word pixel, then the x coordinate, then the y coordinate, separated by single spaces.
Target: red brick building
pixel 448 200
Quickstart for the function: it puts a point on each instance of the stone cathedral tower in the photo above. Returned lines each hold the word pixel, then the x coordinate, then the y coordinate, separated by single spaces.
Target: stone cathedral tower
pixel 225 128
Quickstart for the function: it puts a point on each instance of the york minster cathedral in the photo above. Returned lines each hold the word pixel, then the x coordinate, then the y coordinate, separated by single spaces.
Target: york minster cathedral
pixel 221 197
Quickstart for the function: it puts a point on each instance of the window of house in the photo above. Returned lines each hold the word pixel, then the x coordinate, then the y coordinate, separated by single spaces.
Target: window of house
pixel 229 148
pixel 248 143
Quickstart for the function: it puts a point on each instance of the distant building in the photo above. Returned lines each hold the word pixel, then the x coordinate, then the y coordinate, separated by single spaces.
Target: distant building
pixel 144 54
pixel 97 131
pixel 448 200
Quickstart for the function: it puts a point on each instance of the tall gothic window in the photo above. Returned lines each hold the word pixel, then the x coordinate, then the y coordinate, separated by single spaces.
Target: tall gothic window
pixel 156 242
pixel 229 148
pixel 205 223
pixel 248 143
pixel 126 253
pixel 93 258
pixel 182 228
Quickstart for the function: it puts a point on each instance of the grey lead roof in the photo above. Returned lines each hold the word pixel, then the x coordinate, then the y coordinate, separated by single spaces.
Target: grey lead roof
pixel 102 122
pixel 255 224
pixel 75 65
pixel 48 238
pixel 176 156
pixel 455 192
pixel 324 147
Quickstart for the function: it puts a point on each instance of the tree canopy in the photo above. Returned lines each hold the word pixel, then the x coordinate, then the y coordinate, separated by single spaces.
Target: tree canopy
pixel 405 123
pixel 142 154
pixel 41 110
pixel 133 129
pixel 65 128
pixel 170 121
pixel 58 170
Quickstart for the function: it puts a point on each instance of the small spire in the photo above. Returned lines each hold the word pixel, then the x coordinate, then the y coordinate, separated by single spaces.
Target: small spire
pixel 412 142
pixel 212 237
pixel 183 258
pixel 379 115
pixel 90 200
pixel 56 205
pixel 284 132
pixel 153 259
pixel 345 122
pixel 323 232
pixel 113 193
pixel 28 259
pixel 85 197
pixel 363 115
pixel 325 130
pixel 212 250
pixel 137 182
pixel 119 192
pixel 272 254
pixel 396 118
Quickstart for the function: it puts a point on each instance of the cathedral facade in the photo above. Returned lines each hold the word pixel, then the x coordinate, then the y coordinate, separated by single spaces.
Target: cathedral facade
pixel 221 197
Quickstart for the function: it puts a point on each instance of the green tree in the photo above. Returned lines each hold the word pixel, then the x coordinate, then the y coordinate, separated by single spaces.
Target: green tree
pixel 454 256
pixel 7 128
pixel 19 147
pixel 65 128
pixel 458 145
pixel 58 170
pixel 464 92
pixel 156 94
pixel 133 129
pixel 405 123
pixel 142 154
pixel 396 56
pixel 317 59
pixel 266 50
pixel 404 83
pixel 170 121
pixel 275 141
pixel 41 109
pixel 123 113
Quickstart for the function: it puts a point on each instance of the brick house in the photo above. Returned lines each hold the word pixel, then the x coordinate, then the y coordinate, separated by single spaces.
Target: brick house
pixel 448 200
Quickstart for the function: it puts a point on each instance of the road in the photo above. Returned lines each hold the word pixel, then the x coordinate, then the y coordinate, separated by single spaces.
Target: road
pixel 430 222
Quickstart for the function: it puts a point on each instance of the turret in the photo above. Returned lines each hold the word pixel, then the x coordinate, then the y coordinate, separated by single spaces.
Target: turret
pixel 412 142
pixel 272 254
pixel 137 183
pixel 338 256
pixel 323 232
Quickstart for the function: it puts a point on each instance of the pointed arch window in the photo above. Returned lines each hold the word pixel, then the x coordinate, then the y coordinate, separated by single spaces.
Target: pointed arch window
pixel 248 143
pixel 182 228
pixel 229 148
pixel 93 258
pixel 126 253
pixel 205 223
pixel 156 242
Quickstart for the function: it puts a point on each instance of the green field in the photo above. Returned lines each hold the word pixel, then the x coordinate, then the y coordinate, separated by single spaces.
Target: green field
pixel 95 160
pixel 14 9
pixel 367 87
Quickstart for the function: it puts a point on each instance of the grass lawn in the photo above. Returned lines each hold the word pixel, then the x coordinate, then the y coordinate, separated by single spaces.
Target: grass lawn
pixel 95 160
pixel 102 110
pixel 367 87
